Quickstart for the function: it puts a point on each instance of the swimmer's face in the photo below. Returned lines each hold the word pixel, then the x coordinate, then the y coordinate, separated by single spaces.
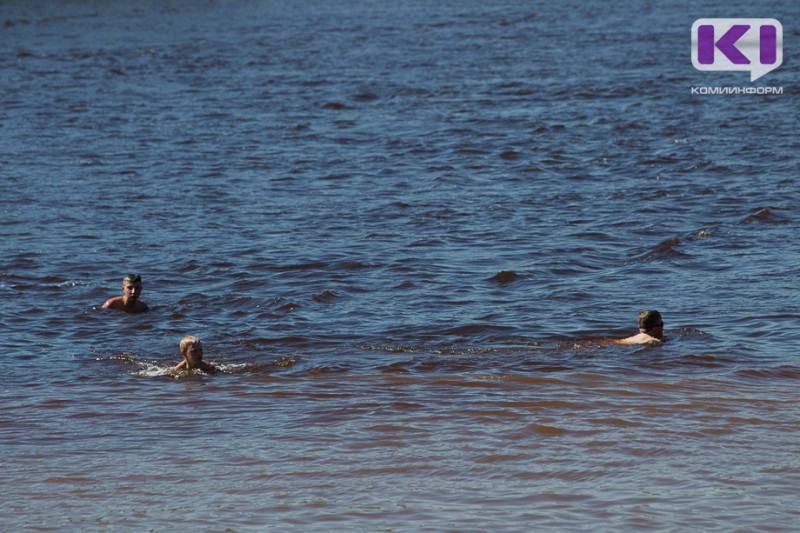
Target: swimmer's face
pixel 132 289
pixel 193 354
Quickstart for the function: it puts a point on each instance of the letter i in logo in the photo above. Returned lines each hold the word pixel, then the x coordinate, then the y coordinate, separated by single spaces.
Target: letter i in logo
pixel 755 45
pixel 769 44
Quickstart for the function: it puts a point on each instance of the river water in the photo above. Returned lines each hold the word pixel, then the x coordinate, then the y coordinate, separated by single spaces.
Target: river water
pixel 325 193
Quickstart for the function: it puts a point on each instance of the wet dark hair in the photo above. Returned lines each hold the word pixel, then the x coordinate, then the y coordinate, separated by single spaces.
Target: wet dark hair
pixel 649 319
pixel 133 278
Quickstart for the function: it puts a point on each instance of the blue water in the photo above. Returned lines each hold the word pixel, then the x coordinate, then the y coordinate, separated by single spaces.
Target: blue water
pixel 324 194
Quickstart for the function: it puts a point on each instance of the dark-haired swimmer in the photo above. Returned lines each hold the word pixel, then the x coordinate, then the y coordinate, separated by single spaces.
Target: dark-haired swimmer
pixel 651 329
pixel 192 352
pixel 129 301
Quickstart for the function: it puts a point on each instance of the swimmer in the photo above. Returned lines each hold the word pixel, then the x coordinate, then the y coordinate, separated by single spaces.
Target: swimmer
pixel 129 301
pixel 651 329
pixel 192 352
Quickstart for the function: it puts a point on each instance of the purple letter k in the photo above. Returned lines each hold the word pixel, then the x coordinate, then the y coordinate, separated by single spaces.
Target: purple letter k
pixel 726 44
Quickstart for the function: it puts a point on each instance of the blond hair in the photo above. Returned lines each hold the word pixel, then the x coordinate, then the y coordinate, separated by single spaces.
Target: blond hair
pixel 132 278
pixel 189 340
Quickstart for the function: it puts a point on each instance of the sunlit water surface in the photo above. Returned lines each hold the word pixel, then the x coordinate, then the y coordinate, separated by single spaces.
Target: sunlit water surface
pixel 325 194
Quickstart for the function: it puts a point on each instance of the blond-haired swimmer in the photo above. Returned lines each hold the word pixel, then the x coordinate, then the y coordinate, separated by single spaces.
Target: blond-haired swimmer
pixel 192 352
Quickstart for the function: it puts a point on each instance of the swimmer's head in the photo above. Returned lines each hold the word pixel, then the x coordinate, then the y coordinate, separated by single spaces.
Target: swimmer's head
pixel 188 341
pixel 132 285
pixel 192 351
pixel 650 322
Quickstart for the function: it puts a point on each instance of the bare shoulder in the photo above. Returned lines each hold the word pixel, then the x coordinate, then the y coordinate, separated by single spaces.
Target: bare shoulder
pixel 641 338
pixel 113 303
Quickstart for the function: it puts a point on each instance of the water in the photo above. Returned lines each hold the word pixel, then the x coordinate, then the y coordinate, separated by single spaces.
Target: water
pixel 324 194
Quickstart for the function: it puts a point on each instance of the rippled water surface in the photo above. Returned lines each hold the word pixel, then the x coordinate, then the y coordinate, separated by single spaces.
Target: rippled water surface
pixel 404 232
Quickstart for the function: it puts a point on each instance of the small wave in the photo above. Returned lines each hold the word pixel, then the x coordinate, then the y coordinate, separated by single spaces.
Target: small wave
pixel 766 215
pixel 70 480
pixel 292 340
pixel 365 96
pixel 282 304
pixel 504 277
pixel 519 20
pixel 667 249
pixel 663 160
pixel 394 349
pixel 232 368
pixel 704 360
pixel 153 370
pixel 691 332
pixel 430 350
pixel 667 246
pixel 546 431
pixel 70 284
pixel 781 372
pixel 258 368
pixel 148 368
pixel 700 234
pixel 325 296
pixel 335 368
pixel 289 306
pixel 510 155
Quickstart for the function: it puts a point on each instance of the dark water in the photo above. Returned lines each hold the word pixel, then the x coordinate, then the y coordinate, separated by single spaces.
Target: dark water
pixel 324 193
